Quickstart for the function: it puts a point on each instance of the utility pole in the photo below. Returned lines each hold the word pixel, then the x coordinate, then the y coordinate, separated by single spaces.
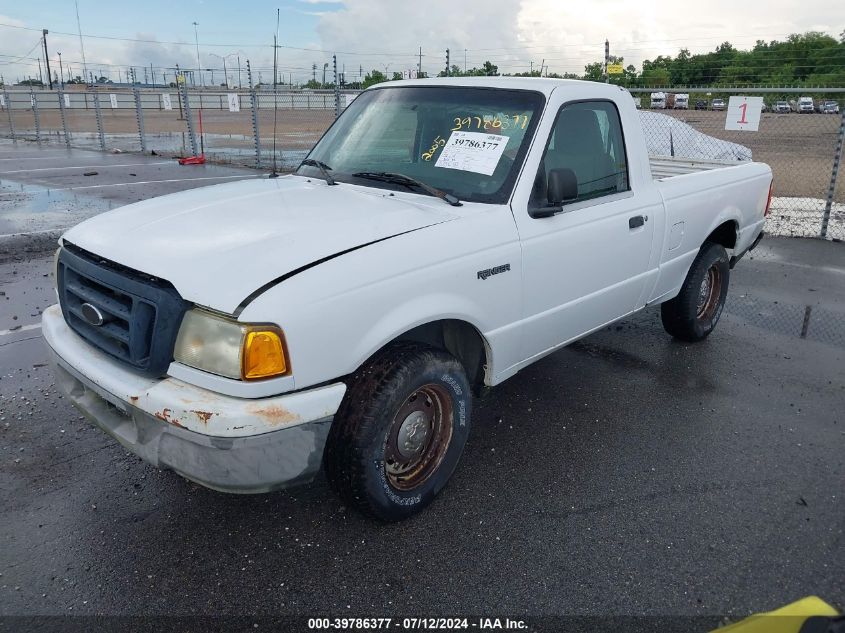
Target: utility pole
pixel 239 72
pixel 465 61
pixel 419 67
pixel 47 58
pixel 532 67
pixel 197 43
pixel 61 72
pixel 153 76
pixel 606 60
pixel 81 45
pixel 314 73
pixel 447 62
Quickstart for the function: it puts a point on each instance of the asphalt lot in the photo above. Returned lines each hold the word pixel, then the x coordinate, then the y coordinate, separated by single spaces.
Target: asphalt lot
pixel 626 474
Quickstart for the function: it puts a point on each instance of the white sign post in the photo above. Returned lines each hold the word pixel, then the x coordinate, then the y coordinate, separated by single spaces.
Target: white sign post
pixel 113 99
pixel 744 113
pixel 165 101
pixel 234 102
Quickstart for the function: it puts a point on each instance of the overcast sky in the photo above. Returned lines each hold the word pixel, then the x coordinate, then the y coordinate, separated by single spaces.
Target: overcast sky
pixel 387 34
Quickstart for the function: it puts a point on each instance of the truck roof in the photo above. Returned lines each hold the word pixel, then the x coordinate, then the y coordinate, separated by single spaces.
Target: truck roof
pixel 540 84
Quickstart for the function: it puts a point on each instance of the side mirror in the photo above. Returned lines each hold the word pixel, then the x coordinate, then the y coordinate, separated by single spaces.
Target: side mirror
pixel 562 185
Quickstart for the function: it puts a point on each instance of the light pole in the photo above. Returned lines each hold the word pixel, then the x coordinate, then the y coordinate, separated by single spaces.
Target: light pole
pixel 225 72
pixel 197 42
pixel 61 72
pixel 326 65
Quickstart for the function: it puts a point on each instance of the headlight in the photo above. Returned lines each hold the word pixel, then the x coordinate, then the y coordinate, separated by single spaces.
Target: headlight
pixel 227 348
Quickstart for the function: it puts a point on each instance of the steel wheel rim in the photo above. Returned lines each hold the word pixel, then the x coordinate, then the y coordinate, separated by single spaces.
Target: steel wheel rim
pixel 419 437
pixel 709 294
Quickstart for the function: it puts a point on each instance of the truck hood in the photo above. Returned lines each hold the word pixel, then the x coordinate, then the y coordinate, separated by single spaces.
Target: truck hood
pixel 219 244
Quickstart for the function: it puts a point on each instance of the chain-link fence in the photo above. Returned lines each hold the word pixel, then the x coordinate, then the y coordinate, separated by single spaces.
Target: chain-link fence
pixel 227 126
pixel 802 144
pixel 799 136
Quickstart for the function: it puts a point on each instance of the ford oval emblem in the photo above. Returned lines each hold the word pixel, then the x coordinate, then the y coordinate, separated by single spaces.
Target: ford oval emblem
pixel 92 314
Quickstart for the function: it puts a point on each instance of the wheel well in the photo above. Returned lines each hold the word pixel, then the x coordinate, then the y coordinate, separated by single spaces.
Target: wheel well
pixel 460 339
pixel 724 234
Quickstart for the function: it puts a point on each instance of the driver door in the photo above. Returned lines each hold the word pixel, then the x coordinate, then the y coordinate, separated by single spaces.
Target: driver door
pixel 586 265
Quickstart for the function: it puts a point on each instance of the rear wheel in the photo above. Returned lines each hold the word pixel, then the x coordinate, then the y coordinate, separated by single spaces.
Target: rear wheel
pixel 693 314
pixel 400 431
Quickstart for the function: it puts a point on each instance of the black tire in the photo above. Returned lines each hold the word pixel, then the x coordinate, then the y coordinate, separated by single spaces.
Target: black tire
pixel 692 315
pixel 410 397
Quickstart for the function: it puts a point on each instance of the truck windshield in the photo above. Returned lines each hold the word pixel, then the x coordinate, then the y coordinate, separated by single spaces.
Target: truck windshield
pixel 467 142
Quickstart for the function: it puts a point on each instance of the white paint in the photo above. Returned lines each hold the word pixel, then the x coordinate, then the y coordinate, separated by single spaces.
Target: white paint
pixel 743 113
pixel 23 328
pixel 165 101
pixel 234 102
pixel 411 259
pixel 66 99
pixel 472 151
pixel 113 100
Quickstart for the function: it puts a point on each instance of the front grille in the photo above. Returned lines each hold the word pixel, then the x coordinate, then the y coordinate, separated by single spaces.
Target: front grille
pixel 140 314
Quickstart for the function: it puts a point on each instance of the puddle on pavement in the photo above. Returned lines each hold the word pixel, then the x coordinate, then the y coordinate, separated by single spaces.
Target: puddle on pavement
pixel 811 322
pixel 26 208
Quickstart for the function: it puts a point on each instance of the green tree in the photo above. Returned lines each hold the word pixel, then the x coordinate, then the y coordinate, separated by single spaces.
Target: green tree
pixel 373 77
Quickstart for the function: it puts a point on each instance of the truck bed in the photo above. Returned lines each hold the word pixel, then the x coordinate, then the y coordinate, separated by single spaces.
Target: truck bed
pixel 663 167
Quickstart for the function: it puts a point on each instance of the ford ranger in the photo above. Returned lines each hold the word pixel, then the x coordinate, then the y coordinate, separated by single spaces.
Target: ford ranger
pixel 441 236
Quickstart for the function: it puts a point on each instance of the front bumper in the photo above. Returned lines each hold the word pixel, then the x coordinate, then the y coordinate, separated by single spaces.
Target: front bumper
pixel 224 443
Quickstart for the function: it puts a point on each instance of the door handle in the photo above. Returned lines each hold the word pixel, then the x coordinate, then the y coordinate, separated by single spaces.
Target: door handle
pixel 636 222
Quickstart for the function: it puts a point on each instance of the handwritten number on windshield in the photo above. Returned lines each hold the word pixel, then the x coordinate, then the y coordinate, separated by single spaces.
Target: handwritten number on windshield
pixel 437 144
pixel 503 122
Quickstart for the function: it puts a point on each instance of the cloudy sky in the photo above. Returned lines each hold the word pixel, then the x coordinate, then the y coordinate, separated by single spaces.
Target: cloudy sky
pixel 387 34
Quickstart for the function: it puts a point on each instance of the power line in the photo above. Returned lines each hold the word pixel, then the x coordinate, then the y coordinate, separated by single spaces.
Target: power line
pixel 14 61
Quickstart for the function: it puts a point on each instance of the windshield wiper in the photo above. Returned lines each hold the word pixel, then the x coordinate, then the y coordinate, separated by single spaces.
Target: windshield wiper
pixel 402 179
pixel 324 169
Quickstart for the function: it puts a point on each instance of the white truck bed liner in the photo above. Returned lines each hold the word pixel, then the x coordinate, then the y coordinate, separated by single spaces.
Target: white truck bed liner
pixel 663 167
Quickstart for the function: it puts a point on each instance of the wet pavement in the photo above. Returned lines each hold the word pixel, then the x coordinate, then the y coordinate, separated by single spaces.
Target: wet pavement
pixel 626 474
pixel 46 189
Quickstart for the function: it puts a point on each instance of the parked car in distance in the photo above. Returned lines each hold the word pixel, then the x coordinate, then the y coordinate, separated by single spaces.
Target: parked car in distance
pixel 681 101
pixel 830 107
pixel 658 100
pixel 248 335
pixel 718 104
pixel 700 104
pixel 637 101
pixel 805 105
pixel 782 107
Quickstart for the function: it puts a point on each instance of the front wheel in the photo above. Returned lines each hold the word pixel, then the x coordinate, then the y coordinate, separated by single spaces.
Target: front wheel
pixel 693 314
pixel 400 431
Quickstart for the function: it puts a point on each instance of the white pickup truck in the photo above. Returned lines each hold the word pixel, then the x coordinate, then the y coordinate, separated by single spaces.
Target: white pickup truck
pixel 441 236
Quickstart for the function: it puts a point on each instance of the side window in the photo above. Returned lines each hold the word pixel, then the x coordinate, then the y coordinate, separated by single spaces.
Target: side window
pixel 587 139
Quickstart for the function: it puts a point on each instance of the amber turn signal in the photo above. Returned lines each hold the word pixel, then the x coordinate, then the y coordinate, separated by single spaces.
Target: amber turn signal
pixel 263 354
